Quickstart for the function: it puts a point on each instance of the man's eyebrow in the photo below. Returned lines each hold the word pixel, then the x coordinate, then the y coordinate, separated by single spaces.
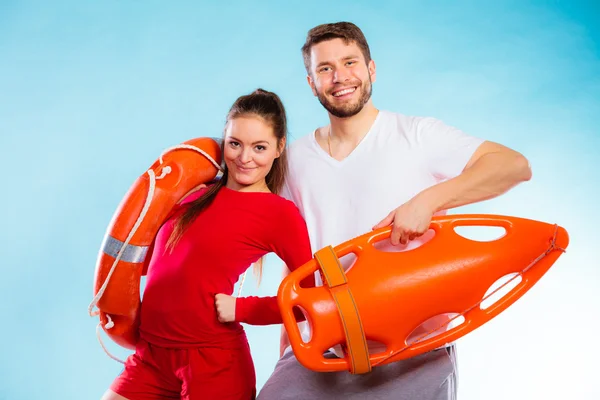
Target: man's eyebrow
pixel 322 63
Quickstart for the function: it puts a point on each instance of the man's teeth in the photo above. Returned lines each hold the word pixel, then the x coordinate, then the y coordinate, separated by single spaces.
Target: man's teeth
pixel 343 92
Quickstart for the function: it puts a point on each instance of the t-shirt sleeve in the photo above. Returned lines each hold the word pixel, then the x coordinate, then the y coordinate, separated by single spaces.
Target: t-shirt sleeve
pixel 289 189
pixel 286 193
pixel 447 149
pixel 289 240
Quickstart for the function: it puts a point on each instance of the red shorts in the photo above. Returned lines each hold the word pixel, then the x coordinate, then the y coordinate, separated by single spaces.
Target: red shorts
pixel 205 373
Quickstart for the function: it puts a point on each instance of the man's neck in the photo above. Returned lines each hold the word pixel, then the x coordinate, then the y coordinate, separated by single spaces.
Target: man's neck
pixel 353 129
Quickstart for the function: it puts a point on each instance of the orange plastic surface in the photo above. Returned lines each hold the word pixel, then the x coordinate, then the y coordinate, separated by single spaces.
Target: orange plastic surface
pixel 393 293
pixel 121 299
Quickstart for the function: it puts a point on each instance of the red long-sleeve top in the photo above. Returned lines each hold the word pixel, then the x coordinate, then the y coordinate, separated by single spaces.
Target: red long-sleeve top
pixel 235 230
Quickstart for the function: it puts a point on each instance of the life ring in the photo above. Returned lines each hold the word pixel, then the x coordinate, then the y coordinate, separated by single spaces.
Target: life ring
pixel 125 250
pixel 385 296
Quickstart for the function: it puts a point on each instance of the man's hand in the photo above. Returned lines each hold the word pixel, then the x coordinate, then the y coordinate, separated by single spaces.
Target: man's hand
pixel 225 306
pixel 410 220
pixel 284 341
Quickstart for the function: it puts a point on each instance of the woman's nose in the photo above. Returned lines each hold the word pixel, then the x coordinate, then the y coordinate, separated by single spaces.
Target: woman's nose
pixel 246 155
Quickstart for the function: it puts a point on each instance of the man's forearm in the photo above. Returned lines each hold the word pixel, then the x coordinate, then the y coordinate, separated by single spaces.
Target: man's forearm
pixel 490 176
pixel 284 341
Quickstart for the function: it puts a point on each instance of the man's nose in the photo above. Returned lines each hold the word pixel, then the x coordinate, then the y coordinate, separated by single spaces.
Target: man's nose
pixel 341 75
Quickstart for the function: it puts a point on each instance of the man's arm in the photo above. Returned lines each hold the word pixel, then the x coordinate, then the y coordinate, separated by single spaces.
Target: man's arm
pixel 492 170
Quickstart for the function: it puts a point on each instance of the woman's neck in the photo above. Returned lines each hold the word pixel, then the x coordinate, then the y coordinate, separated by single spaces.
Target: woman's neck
pixel 260 186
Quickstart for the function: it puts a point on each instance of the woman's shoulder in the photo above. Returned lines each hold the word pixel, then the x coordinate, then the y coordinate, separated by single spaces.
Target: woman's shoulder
pixel 194 194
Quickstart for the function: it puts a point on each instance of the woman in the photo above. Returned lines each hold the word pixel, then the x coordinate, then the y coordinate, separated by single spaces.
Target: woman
pixel 192 345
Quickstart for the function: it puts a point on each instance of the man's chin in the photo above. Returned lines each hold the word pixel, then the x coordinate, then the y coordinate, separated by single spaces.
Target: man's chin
pixel 342 111
pixel 345 112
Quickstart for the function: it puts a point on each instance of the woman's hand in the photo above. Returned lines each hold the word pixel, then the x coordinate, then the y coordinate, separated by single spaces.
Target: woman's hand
pixel 225 306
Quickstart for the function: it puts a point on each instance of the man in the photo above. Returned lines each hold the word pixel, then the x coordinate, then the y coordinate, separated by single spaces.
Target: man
pixel 368 169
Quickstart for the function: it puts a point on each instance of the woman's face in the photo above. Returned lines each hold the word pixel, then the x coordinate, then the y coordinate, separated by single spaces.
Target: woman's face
pixel 250 148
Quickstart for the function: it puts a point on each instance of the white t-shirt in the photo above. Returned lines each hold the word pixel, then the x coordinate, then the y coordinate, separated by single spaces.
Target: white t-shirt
pixel 399 157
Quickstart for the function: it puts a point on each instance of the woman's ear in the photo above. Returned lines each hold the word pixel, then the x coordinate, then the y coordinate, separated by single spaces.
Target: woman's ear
pixel 281 147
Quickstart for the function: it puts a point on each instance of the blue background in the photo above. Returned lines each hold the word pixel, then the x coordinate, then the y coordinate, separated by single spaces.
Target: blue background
pixel 92 91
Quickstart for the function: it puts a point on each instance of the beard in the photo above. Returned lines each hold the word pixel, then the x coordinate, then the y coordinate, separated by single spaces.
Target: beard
pixel 349 109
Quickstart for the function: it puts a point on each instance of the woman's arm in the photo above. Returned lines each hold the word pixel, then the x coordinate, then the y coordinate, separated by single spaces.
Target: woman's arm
pixel 289 240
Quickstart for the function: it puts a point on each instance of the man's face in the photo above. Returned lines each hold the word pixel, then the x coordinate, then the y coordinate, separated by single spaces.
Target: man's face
pixel 340 77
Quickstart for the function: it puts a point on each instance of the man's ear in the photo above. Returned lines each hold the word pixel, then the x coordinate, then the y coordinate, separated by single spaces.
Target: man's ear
pixel 311 83
pixel 372 71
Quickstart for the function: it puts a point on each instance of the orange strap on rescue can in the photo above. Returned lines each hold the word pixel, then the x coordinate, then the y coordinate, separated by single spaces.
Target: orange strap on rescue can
pixel 336 280
pixel 126 248
pixel 387 297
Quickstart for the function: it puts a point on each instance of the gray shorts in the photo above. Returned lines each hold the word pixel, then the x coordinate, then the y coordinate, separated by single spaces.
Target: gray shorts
pixel 429 376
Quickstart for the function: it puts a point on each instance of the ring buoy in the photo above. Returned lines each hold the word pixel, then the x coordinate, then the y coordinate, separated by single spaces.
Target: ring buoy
pixel 125 250
pixel 385 296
